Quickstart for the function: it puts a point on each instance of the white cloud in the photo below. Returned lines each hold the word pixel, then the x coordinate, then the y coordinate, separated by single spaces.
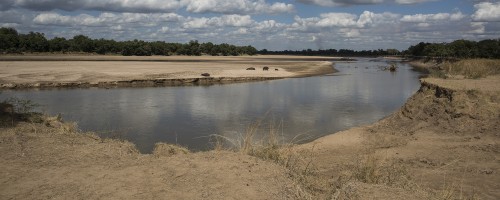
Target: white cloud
pixel 222 21
pixel 337 19
pixel 332 3
pixel 412 1
pixel 340 2
pixel 344 20
pixel 149 6
pixel 438 17
pixel 236 6
pixel 104 19
pixel 487 12
pixel 101 5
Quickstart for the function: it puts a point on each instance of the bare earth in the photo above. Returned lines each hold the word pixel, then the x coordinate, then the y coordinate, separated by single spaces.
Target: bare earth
pixel 94 69
pixel 442 144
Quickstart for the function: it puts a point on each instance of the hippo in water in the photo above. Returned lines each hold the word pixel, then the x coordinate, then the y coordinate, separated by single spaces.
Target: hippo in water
pixel 265 68
pixel 251 68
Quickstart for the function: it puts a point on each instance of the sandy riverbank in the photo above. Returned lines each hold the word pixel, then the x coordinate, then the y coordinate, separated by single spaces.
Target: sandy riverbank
pixel 104 71
pixel 442 144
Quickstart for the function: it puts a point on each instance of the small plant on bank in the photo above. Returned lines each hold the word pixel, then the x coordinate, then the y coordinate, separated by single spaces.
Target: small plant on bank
pixel 14 110
pixel 436 73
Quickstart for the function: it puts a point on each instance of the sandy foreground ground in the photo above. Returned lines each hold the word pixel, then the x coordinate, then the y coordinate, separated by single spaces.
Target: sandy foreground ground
pixel 95 69
pixel 444 143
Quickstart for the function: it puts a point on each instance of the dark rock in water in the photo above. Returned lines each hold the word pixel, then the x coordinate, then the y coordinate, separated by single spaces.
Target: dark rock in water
pixel 251 68
pixel 393 68
pixel 205 74
pixel 265 68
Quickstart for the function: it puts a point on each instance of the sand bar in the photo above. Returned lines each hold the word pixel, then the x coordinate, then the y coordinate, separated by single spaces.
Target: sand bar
pixel 54 70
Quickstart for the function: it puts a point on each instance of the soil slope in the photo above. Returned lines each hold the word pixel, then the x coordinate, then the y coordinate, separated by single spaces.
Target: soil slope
pixel 442 144
pixel 41 162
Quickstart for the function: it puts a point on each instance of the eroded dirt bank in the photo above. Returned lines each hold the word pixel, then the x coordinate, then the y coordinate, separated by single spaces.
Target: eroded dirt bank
pixel 442 144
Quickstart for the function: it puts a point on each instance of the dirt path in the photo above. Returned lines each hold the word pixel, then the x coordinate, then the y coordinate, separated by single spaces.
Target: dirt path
pixel 37 71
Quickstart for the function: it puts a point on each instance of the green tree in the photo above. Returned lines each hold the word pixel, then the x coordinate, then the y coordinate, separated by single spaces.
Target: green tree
pixel 33 42
pixel 9 39
pixel 82 43
pixel 58 44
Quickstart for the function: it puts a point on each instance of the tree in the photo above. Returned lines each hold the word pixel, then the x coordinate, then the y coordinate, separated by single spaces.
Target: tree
pixel 82 43
pixel 9 39
pixel 33 42
pixel 58 44
pixel 194 48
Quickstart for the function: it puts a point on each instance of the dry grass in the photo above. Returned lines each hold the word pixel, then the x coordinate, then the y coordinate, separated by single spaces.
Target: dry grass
pixel 268 143
pixel 472 68
pixel 164 149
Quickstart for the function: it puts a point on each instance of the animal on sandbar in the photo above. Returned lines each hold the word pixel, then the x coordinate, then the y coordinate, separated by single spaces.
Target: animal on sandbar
pixel 276 69
pixel 251 68
pixel 265 68
pixel 205 74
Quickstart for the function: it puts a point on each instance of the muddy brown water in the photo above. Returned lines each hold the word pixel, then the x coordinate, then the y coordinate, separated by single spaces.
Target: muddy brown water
pixel 296 109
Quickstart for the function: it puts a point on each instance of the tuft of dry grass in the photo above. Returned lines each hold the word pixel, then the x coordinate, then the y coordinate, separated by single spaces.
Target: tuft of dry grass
pixel 164 149
pixel 374 170
pixel 472 68
pixel 269 144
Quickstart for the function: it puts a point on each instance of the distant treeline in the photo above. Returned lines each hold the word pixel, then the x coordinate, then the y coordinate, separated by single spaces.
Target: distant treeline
pixel 333 52
pixel 489 48
pixel 13 42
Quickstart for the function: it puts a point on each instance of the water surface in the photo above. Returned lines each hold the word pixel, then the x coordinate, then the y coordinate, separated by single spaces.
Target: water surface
pixel 360 93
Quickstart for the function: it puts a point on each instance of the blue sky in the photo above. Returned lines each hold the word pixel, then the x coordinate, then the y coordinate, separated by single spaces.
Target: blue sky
pixel 270 24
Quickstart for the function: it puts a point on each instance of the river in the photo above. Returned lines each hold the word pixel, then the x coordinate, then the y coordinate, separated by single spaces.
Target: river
pixel 296 109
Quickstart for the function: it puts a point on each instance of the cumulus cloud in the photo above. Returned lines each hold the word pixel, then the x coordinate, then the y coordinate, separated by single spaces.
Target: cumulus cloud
pixel 359 2
pixel 100 5
pixel 222 21
pixel 424 18
pixel 149 6
pixel 340 2
pixel 487 12
pixel 104 19
pixel 344 20
pixel 236 6
pixel 412 1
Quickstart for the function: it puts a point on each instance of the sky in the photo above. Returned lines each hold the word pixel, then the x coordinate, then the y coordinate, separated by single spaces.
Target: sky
pixel 264 24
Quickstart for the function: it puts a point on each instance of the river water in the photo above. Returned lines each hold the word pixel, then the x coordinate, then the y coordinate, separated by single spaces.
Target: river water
pixel 297 109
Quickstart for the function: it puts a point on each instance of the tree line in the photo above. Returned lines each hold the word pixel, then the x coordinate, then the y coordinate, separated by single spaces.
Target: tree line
pixel 13 42
pixel 489 48
pixel 334 52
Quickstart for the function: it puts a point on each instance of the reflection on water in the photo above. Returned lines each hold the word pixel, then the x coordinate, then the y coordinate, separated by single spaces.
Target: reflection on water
pixel 314 106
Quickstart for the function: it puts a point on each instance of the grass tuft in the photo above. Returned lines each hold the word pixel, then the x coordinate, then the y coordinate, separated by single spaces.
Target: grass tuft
pixel 167 150
pixel 269 144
